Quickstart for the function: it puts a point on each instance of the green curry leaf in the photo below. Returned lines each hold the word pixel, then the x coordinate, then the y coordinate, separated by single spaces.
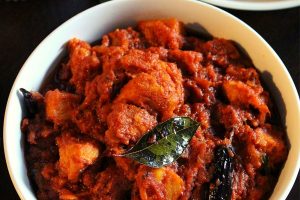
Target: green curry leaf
pixel 164 143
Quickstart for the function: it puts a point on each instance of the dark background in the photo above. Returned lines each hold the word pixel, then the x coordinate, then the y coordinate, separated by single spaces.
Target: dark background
pixel 24 24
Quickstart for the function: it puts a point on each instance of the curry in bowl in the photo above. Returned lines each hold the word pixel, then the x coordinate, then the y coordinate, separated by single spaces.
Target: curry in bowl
pixel 153 112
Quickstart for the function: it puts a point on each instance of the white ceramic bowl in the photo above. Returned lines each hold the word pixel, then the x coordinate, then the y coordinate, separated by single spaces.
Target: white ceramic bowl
pixel 255 4
pixel 91 24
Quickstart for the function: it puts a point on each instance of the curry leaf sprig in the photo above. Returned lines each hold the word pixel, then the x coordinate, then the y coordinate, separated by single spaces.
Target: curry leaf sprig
pixel 164 143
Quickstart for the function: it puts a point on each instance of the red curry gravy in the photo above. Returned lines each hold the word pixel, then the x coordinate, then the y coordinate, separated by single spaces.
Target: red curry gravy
pixel 103 98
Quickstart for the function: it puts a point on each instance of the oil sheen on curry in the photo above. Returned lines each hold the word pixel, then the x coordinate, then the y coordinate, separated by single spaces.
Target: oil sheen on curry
pixel 103 98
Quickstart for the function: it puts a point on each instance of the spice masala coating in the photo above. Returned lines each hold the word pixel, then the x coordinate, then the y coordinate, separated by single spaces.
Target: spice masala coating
pixel 102 99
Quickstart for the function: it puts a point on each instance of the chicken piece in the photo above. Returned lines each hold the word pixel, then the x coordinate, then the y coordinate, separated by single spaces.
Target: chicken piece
pixel 200 153
pixel 221 51
pixel 156 184
pixel 132 61
pixel 187 60
pixel 269 140
pixel 127 38
pixel 75 155
pixel 254 158
pixel 112 71
pixel 83 63
pixel 109 56
pixel 229 116
pixel 59 106
pixel 120 66
pixel 165 33
pixel 240 94
pixel 246 75
pixel 111 184
pixel 137 61
pixel 160 91
pixel 232 117
pixel 162 52
pixel 88 123
pixel 258 143
pixel 126 124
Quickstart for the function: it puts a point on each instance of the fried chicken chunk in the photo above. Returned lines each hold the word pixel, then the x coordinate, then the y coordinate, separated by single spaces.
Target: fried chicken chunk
pixel 240 94
pixel 83 63
pixel 187 60
pixel 127 123
pixel 166 33
pixel 127 38
pixel 75 155
pixel 60 105
pixel 159 91
pixel 156 184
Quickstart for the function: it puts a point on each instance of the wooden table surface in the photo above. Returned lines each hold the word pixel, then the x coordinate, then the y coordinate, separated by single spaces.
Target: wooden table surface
pixel 24 24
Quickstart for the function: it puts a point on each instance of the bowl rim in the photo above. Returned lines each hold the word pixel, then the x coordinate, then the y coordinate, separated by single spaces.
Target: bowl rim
pixel 94 8
pixel 255 5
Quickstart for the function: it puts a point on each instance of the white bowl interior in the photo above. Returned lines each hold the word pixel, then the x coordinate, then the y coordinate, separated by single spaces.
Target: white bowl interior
pixel 93 23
